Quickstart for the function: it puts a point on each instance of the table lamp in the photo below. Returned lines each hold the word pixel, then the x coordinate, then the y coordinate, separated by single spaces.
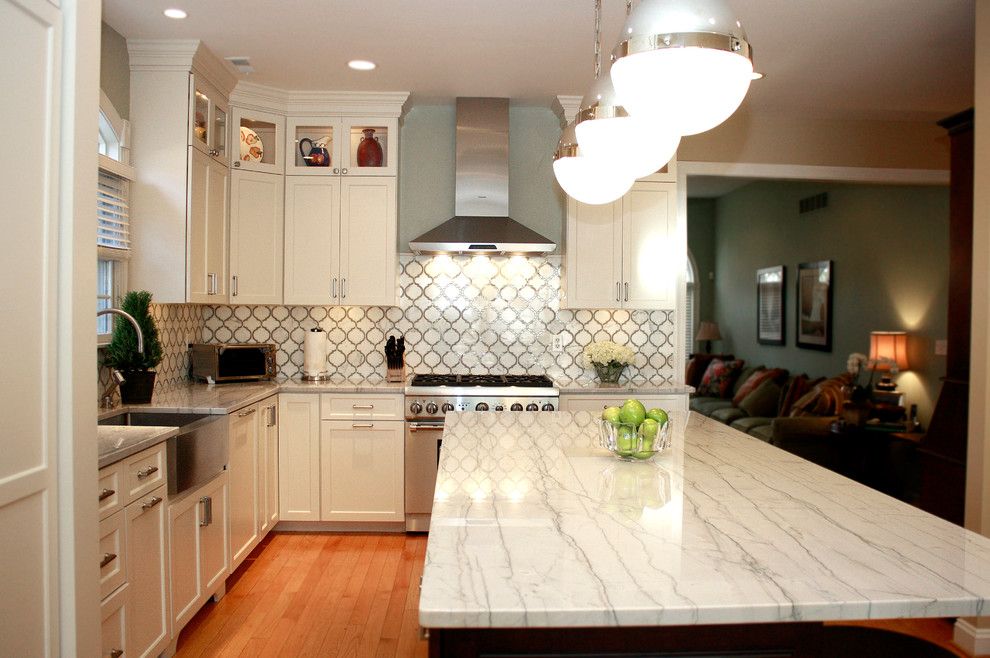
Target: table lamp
pixel 707 332
pixel 888 352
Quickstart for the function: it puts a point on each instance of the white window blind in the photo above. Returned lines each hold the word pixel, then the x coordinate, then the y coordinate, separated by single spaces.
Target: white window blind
pixel 113 218
pixel 690 304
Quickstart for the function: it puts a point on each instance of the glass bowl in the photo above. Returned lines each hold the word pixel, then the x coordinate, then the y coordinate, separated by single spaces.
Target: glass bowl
pixel 632 444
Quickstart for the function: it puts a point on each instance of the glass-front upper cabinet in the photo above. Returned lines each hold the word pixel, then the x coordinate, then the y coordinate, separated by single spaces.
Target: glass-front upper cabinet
pixel 208 120
pixel 258 139
pixel 335 146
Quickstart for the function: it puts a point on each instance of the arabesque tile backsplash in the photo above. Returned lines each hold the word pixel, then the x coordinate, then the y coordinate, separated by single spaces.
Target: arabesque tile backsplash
pixel 458 314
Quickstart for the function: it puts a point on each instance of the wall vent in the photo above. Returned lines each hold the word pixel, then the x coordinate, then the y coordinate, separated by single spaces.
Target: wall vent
pixel 813 203
pixel 241 63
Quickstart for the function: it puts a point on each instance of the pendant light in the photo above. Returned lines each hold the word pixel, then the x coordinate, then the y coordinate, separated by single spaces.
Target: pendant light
pixel 584 179
pixel 608 133
pixel 686 62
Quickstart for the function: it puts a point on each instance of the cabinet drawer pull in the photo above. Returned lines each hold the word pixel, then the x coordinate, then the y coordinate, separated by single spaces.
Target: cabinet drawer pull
pixel 234 286
pixel 145 472
pixel 151 503
pixel 117 653
pixel 106 493
pixel 362 425
pixel 107 559
pixel 627 291
pixel 618 291
pixel 343 282
pixel 247 413
pixel 362 406
pixel 333 289
pixel 207 502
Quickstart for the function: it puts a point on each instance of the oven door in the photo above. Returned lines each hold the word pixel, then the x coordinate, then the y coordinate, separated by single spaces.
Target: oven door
pixel 422 456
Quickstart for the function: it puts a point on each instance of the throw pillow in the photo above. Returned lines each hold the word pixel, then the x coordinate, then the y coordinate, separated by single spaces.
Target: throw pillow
pixel 743 377
pixel 696 367
pixel 795 388
pixel 754 379
pixel 719 377
pixel 762 401
pixel 825 399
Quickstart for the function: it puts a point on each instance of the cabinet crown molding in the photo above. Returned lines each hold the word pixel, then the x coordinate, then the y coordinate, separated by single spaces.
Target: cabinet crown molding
pixel 181 55
pixel 387 104
pixel 567 107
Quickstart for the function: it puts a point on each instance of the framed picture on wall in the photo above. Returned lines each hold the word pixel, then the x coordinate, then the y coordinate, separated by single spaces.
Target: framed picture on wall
pixel 814 306
pixel 770 283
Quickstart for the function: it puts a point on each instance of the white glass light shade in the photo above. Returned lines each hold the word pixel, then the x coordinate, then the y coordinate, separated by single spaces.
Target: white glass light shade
pixel 676 63
pixel 639 146
pixel 590 181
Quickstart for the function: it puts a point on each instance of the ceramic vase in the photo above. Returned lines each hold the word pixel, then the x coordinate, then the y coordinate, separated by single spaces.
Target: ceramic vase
pixel 369 151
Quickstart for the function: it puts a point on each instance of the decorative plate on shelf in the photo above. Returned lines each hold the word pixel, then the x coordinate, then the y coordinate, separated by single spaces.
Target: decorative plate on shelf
pixel 252 148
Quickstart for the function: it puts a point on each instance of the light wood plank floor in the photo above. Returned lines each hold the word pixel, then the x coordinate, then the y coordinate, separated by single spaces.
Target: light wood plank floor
pixel 353 595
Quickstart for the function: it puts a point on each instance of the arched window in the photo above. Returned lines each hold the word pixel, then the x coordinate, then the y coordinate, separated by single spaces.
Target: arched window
pixel 112 214
pixel 691 302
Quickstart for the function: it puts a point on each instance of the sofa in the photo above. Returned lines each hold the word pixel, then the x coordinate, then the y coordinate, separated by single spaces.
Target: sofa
pixel 791 412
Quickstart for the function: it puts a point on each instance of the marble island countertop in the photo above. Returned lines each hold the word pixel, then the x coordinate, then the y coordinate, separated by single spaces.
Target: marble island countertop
pixel 116 442
pixel 535 526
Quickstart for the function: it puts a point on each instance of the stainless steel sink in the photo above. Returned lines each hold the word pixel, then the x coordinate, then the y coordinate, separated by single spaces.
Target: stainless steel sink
pixel 196 455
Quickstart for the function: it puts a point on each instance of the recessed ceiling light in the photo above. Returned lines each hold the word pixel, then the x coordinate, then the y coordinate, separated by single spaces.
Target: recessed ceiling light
pixel 361 65
pixel 173 12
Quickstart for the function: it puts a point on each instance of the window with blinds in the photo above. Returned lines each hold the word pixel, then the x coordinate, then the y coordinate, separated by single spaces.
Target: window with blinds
pixel 113 220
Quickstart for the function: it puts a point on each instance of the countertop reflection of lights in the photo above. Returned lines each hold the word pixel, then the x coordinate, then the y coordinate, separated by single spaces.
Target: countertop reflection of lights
pixel 174 12
pixel 361 65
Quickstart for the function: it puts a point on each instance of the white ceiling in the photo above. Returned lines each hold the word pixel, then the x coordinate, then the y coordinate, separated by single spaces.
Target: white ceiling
pixel 884 59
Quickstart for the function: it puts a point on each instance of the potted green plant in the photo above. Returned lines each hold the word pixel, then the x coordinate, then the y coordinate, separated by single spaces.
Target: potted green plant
pixel 122 355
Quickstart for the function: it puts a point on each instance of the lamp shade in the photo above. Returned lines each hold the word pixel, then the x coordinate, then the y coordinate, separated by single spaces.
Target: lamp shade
pixel 708 331
pixel 888 350
pixel 586 179
pixel 683 62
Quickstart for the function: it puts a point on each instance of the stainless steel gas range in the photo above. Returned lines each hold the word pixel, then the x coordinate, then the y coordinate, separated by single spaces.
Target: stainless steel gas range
pixel 429 397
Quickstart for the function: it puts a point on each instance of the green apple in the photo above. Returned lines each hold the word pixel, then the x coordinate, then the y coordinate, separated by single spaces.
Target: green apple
pixel 648 429
pixel 625 439
pixel 632 412
pixel 658 415
pixel 611 414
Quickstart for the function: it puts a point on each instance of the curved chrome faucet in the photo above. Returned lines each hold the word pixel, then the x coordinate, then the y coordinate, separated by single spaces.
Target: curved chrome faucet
pixel 130 318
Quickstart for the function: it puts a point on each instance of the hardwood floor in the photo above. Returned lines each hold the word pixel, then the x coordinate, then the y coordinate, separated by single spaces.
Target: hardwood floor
pixel 354 595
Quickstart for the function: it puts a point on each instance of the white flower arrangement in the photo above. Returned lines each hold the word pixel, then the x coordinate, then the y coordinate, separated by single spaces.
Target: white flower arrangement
pixel 606 352
pixel 856 362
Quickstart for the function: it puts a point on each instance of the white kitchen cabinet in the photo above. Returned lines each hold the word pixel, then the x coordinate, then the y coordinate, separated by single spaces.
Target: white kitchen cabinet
pixel 340 237
pixel 595 403
pixel 362 471
pixel 623 254
pixel 256 141
pixel 113 627
pixel 197 549
pixel 242 467
pixel 341 135
pixel 113 554
pixel 208 118
pixel 207 261
pixel 256 227
pixel 299 457
pixel 268 466
pixel 147 571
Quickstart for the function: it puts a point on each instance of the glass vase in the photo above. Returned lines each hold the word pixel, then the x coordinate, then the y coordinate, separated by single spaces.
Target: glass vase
pixel 609 373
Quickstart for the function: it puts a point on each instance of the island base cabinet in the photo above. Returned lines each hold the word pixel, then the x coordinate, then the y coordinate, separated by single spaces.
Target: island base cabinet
pixel 147 570
pixel 362 471
pixel 299 457
pixel 113 630
pixel 197 548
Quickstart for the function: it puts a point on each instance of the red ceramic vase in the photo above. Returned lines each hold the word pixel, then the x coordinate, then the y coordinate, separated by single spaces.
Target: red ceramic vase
pixel 369 151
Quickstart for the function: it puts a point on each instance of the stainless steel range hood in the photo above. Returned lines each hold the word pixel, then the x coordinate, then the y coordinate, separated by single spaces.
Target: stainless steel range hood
pixel 481 224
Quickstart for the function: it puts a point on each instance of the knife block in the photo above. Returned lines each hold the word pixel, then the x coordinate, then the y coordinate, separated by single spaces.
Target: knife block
pixel 396 375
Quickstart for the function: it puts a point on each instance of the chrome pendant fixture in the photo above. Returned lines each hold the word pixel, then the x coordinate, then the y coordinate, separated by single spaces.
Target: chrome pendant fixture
pixel 585 179
pixel 686 63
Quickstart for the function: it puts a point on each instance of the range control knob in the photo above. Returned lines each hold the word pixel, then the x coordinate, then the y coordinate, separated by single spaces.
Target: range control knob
pixel 431 408
pixel 532 406
pixel 415 407
pixel 481 406
pixel 548 406
pixel 499 407
pixel 447 407
pixel 515 407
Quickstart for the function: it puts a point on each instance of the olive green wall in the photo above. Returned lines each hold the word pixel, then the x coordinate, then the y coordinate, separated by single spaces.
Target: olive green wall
pixel 115 73
pixel 426 171
pixel 701 244
pixel 890 249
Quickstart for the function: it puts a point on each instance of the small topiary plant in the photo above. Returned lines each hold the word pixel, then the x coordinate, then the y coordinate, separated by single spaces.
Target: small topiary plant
pixel 121 354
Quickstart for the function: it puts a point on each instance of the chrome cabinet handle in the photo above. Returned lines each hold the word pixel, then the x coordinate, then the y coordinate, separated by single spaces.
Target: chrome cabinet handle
pixel 344 171
pixel 343 288
pixel 214 152
pixel 107 559
pixel 336 170
pixel 234 286
pixel 362 425
pixel 116 653
pixel 333 294
pixel 272 416
pixel 237 163
pixel 627 291
pixel 247 413
pixel 151 503
pixel 145 472
pixel 207 502
pixel 618 291
pixel 106 493
pixel 362 406
pixel 424 427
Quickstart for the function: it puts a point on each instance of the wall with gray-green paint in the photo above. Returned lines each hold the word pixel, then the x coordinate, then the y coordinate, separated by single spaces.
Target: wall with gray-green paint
pixel 701 244
pixel 426 171
pixel 890 247
pixel 115 71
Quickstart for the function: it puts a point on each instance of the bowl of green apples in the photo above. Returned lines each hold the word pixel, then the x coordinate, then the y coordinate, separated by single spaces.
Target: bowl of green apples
pixel 634 433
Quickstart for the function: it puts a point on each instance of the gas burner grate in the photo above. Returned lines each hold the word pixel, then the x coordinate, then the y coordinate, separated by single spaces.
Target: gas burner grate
pixel 432 379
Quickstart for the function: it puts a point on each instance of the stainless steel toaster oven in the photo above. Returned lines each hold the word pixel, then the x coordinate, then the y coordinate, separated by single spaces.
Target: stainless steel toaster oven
pixel 232 362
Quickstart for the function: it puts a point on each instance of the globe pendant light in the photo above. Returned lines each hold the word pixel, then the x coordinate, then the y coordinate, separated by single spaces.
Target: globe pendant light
pixel 586 180
pixel 686 62
pixel 607 133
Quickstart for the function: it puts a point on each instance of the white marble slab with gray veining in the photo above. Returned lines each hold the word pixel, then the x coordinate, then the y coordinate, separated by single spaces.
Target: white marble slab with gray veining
pixel 534 525
pixel 598 388
pixel 120 442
